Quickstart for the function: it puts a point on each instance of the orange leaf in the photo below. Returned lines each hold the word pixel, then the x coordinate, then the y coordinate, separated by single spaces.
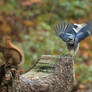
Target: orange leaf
pixel 26 3
pixel 28 23
pixel 85 54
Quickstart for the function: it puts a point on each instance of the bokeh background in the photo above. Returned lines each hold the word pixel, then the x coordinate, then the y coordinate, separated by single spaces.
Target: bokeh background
pixel 31 24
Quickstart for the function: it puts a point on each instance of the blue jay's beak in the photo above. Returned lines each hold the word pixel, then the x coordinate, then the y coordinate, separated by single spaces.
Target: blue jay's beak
pixel 73 34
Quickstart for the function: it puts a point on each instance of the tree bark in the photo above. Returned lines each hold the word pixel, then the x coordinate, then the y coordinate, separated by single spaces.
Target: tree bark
pixel 60 80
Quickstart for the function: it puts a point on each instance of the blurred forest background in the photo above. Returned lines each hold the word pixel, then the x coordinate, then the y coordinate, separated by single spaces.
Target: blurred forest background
pixel 31 24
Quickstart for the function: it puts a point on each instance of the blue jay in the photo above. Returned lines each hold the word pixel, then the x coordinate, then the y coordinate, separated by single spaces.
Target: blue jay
pixel 73 34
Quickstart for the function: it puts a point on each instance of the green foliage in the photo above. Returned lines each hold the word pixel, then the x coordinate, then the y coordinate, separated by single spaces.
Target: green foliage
pixel 83 73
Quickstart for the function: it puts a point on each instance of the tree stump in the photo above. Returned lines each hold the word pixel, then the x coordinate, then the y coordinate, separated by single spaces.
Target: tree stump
pixel 51 74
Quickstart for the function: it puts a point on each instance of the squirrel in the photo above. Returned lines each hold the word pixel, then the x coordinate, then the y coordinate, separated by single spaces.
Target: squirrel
pixel 11 52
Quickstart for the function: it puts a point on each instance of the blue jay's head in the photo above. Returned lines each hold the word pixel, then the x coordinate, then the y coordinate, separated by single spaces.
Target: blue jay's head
pixel 72 34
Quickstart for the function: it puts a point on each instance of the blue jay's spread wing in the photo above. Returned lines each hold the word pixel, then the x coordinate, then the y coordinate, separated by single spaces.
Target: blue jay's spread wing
pixel 61 28
pixel 72 34
pixel 84 30
pixel 65 32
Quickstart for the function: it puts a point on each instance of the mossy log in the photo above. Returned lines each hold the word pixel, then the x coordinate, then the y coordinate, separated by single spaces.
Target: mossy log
pixel 58 78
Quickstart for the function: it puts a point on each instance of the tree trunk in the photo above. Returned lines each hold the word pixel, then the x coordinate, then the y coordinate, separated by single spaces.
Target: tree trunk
pixel 59 80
